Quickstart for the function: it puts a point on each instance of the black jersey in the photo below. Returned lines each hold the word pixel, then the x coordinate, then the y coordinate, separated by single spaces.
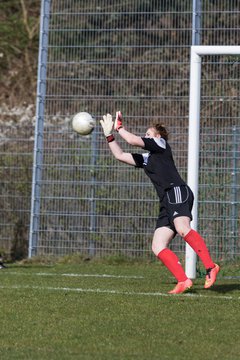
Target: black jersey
pixel 159 165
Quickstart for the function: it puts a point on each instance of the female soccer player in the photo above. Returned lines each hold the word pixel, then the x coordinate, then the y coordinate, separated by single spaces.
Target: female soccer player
pixel 176 198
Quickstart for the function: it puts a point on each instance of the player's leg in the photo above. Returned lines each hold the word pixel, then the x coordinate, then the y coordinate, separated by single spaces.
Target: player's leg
pixel 161 239
pixel 197 243
pixel 179 206
pixel 194 239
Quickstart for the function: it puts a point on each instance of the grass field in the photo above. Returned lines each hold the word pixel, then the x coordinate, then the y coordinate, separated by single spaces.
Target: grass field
pixel 107 311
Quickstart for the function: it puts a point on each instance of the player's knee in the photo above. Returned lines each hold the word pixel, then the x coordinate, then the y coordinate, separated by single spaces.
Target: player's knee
pixel 154 248
pixel 182 230
pixel 157 247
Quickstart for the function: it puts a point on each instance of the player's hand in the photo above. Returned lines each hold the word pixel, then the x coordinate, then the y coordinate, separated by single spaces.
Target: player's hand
pixel 118 121
pixel 107 124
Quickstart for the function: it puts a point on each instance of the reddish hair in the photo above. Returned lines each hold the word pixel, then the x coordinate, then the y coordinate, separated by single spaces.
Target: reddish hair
pixel 160 129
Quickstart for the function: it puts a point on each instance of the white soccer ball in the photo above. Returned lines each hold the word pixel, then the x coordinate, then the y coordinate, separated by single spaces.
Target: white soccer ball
pixel 83 123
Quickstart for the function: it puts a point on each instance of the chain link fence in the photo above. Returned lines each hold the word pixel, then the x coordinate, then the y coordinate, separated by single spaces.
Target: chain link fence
pixel 104 56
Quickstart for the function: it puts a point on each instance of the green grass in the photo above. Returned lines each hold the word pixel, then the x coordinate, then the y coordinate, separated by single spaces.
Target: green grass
pixel 46 314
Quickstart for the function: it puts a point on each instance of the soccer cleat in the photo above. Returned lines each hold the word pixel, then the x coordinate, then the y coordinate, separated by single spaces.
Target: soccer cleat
pixel 211 276
pixel 181 287
pixel 2 266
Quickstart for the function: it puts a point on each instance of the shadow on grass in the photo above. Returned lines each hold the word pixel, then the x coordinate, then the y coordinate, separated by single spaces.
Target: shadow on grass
pixel 225 288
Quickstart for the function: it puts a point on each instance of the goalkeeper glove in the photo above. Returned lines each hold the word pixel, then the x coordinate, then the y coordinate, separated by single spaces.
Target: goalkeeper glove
pixel 118 121
pixel 107 125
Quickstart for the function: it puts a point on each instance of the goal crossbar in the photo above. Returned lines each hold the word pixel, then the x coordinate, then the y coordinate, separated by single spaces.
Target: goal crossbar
pixel 197 51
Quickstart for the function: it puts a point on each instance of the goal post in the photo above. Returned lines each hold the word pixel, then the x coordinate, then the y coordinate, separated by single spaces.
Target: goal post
pixel 197 51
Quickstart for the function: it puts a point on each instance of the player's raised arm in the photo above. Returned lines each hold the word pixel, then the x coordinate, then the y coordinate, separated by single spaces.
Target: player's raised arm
pixel 130 138
pixel 119 154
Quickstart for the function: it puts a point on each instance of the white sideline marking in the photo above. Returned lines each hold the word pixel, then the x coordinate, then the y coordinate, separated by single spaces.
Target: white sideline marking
pixel 117 292
pixel 78 275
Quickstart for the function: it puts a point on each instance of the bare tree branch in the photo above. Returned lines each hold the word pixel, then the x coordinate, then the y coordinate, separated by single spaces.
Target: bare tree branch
pixel 31 31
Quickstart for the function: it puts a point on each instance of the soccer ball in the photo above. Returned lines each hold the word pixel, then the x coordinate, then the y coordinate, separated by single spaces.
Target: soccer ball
pixel 83 123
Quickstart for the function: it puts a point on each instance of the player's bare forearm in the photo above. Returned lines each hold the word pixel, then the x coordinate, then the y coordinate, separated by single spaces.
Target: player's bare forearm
pixel 130 138
pixel 119 154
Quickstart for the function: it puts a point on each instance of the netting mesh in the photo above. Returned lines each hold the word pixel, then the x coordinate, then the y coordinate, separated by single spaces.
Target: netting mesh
pixel 101 58
pixel 219 157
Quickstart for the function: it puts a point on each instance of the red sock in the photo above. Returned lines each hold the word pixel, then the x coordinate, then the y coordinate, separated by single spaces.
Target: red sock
pixel 198 244
pixel 171 261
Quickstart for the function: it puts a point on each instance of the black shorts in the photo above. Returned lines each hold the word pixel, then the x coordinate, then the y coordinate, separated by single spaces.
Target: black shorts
pixel 177 201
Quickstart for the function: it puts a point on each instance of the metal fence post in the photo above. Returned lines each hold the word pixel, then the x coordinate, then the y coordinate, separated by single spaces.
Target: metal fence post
pixel 234 202
pixel 39 127
pixel 92 249
pixel 196 22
